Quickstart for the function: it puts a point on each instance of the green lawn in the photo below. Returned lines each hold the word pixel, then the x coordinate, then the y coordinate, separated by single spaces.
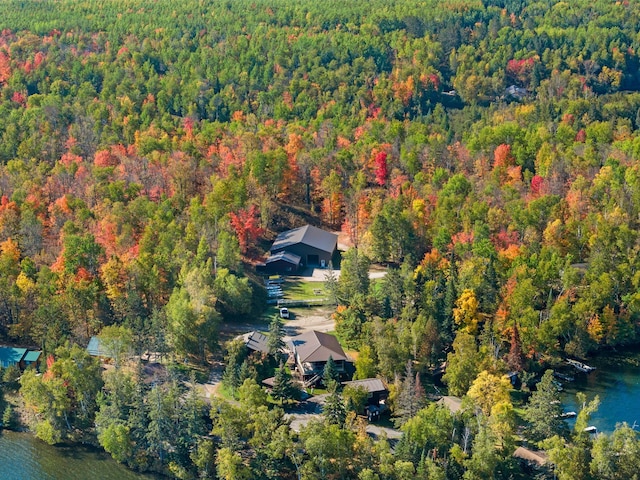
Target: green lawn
pixel 303 290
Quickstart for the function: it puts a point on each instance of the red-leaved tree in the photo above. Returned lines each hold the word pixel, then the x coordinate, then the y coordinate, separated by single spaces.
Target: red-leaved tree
pixel 246 223
pixel 381 171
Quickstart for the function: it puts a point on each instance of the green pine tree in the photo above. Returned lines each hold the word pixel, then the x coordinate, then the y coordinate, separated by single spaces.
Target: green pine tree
pixel 334 409
pixel 275 344
pixel 330 372
pixel 283 387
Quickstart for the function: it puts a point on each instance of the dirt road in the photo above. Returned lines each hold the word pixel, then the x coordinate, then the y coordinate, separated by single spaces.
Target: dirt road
pixel 306 319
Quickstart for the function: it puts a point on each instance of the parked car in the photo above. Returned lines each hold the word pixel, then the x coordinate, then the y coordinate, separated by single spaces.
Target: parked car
pixel 284 312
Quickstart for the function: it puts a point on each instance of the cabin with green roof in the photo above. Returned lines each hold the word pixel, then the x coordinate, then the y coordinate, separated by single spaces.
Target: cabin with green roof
pixel 32 358
pixel 23 357
pixel 10 356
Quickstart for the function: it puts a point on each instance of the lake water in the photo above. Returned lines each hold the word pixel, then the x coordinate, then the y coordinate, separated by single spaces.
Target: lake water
pixel 24 457
pixel 616 381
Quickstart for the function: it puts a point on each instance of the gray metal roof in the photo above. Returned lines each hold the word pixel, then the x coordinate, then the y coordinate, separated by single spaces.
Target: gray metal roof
pixel 285 256
pixel 256 341
pixel 317 347
pixel 371 385
pixel 307 235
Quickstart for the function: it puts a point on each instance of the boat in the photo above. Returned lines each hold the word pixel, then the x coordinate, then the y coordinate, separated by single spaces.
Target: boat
pixel 569 415
pixel 563 376
pixel 583 367
pixel 591 429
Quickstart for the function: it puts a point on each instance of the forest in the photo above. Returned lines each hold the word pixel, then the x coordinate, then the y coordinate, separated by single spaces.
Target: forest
pixel 484 152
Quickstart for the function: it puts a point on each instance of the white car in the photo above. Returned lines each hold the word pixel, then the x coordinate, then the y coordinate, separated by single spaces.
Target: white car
pixel 284 312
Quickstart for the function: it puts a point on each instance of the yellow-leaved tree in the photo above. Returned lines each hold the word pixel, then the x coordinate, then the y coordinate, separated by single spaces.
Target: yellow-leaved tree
pixel 465 313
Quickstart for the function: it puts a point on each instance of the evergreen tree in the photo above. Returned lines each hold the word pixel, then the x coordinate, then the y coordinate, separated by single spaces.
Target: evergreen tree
pixel 484 459
pixel 330 372
pixel 236 356
pixel 331 284
pixel 411 397
pixel 354 275
pixel 334 409
pixel 283 387
pixel 8 417
pixel 544 409
pixel 275 344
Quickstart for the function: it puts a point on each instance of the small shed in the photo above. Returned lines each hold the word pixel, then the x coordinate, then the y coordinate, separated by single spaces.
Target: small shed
pixel 32 358
pixel 10 356
pixel 96 349
pixel 255 341
pixel 378 391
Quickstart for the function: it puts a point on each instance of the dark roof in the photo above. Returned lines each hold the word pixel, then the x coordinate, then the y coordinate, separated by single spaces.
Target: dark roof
pixel 307 235
pixel 32 356
pixel 317 347
pixel 95 349
pixel 284 256
pixel 256 341
pixel 371 385
pixel 11 356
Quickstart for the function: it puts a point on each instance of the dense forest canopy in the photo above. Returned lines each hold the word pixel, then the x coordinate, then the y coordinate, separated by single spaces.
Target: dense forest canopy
pixel 487 153
pixel 140 138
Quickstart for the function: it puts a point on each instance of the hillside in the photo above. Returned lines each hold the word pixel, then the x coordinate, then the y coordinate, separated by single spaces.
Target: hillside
pixel 486 152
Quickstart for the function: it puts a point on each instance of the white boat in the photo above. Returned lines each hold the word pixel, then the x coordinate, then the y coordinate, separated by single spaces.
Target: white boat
pixel 563 376
pixel 591 429
pixel 583 367
pixel 569 415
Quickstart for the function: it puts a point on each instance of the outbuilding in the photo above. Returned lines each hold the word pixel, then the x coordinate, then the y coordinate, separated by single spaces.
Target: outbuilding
pixel 282 262
pixel 313 246
pixel 375 387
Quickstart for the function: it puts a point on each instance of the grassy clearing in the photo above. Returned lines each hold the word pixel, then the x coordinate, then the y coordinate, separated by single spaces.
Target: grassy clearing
pixel 304 290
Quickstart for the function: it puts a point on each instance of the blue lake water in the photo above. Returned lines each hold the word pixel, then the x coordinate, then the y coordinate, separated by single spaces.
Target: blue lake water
pixel 617 382
pixel 24 457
